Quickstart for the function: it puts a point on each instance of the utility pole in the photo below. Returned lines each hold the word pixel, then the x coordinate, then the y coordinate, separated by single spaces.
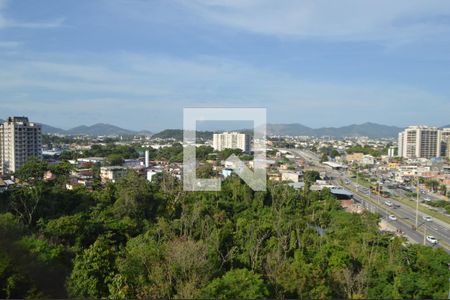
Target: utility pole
pixel 357 178
pixel 424 235
pixel 417 201
pixel 448 282
pixel 378 191
pixel 449 288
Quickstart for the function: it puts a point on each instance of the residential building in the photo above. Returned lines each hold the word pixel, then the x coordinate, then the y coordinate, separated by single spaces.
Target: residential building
pixel 354 157
pixel 111 174
pixel 445 142
pixel 368 160
pixel 231 140
pixel 91 160
pixel 291 176
pixel 19 140
pixel 420 142
pixel 392 151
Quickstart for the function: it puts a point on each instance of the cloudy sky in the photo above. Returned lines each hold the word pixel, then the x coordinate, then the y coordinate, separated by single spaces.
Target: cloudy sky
pixel 137 63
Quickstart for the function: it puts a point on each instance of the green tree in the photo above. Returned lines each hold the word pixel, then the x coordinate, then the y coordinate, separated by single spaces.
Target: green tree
pixel 310 177
pixel 134 197
pixel 93 270
pixel 443 189
pixel 114 159
pixel 236 284
pixel 32 171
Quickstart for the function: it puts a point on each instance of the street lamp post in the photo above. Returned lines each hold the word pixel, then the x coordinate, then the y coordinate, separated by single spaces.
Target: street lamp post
pixel 424 235
pixel 448 283
pixel 417 200
pixel 378 192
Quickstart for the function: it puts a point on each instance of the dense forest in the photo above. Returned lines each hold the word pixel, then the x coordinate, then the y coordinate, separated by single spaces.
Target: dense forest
pixel 135 239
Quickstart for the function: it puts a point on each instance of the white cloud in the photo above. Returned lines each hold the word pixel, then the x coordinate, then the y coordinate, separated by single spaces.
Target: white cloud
pixel 36 25
pixel 131 84
pixel 383 20
pixel 11 23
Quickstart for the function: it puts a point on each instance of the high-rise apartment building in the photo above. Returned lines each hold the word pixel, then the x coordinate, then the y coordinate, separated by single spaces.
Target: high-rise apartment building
pixel 231 140
pixel 420 142
pixel 445 142
pixel 19 140
pixel 392 151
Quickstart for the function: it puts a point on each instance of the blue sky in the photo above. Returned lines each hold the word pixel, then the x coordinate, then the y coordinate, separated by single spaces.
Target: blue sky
pixel 137 63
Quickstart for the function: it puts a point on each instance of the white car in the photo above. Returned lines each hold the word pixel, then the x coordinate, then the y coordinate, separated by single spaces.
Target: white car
pixel 427 218
pixel 432 239
pixel 392 218
pixel 388 203
pixel 427 199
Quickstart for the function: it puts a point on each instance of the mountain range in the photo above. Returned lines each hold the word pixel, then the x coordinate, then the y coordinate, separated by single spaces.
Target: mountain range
pixel 99 129
pixel 372 130
pixel 368 129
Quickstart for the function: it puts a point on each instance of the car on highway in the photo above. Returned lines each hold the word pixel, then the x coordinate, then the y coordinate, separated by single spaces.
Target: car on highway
pixel 388 203
pixel 392 218
pixel 426 199
pixel 427 218
pixel 431 239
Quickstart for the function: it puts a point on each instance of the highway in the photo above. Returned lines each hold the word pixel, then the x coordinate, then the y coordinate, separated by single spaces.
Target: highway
pixel 406 215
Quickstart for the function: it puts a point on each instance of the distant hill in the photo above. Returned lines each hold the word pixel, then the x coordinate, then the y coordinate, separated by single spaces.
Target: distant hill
pixel 446 126
pixel 368 129
pixel 289 129
pixel 372 130
pixel 177 134
pixel 47 129
pixel 100 129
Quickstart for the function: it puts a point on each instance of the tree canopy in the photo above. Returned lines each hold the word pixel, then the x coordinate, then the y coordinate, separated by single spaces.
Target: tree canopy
pixel 136 239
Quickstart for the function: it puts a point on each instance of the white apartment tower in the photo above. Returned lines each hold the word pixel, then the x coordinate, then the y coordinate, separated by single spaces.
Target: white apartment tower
pixel 445 140
pixel 419 142
pixel 231 140
pixel 19 140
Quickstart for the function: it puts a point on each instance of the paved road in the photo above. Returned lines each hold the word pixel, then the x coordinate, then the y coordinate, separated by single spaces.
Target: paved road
pixel 406 229
pixel 406 215
pixel 430 196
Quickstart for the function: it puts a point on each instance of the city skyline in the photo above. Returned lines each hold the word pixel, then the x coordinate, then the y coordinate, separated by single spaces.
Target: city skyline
pixel 137 64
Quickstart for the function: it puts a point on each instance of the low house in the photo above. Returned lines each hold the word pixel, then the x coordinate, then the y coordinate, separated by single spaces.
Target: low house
pixel 291 176
pixel 354 158
pixel 368 160
pixel 111 174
